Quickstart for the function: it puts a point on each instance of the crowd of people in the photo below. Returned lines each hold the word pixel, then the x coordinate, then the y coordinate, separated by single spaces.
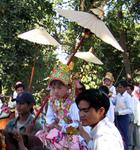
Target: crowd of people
pixel 105 118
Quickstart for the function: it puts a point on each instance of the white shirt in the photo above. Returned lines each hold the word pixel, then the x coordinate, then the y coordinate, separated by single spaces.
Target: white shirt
pixel 111 114
pixel 112 89
pixel 13 104
pixel 1 103
pixel 105 136
pixel 123 104
pixel 136 110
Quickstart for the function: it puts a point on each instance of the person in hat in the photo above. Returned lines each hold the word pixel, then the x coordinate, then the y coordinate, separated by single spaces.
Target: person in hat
pixel 61 130
pixel 24 106
pixel 108 82
pixel 93 106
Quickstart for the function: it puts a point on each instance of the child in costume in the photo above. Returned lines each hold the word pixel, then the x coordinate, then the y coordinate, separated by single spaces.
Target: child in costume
pixel 61 131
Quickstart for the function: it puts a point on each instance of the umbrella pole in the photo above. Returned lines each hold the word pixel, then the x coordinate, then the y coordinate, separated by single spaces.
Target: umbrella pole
pixel 31 78
pixel 41 108
pixel 32 72
pixel 84 36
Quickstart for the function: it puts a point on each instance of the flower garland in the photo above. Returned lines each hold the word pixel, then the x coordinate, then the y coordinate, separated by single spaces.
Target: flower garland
pixel 61 108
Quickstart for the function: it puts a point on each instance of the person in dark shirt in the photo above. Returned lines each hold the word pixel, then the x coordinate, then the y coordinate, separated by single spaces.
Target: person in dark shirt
pixel 24 106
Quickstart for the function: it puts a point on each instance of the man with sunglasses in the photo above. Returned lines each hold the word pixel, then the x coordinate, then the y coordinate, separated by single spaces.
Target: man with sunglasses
pixel 93 106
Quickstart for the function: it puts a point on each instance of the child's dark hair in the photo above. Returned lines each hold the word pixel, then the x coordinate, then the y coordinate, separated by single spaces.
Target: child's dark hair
pixel 104 89
pixel 19 85
pixel 95 98
pixel 56 82
pixel 131 86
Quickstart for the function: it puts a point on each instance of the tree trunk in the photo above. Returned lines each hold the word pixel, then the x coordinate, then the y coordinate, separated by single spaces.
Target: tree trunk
pixel 123 35
pixel 125 54
pixel 85 5
pixel 82 5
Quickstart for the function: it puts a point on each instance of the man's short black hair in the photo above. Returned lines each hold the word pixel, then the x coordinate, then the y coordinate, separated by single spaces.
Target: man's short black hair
pixel 123 83
pixel 95 98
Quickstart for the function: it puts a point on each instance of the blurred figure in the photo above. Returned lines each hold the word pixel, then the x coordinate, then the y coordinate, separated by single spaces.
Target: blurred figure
pixel 110 113
pixel 19 88
pixel 80 87
pixel 134 126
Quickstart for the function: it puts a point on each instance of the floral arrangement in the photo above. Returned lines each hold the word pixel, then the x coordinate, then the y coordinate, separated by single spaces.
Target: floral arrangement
pixel 61 108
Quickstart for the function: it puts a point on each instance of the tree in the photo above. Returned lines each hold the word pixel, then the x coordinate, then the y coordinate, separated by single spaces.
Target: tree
pixel 16 56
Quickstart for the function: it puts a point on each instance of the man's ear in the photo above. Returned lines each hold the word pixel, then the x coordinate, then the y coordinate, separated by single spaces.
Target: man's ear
pixel 101 111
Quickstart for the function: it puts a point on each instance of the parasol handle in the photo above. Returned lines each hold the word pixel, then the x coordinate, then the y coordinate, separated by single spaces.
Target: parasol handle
pixel 31 77
pixel 33 71
pixel 41 108
pixel 84 36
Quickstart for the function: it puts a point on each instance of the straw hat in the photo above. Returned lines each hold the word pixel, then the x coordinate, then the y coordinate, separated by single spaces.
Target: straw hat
pixel 109 76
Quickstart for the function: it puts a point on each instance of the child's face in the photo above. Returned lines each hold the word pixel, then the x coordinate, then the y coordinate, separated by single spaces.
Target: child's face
pixel 58 91
pixel 129 91
pixel 20 90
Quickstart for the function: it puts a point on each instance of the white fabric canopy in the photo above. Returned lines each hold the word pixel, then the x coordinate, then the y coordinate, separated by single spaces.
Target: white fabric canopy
pixel 40 36
pixel 91 22
pixel 89 57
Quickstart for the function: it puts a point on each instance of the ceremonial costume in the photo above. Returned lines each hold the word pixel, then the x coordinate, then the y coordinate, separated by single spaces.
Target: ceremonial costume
pixel 64 113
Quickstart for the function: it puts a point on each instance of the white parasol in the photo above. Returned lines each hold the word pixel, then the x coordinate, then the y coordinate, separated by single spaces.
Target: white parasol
pixel 40 36
pixel 89 57
pixel 91 22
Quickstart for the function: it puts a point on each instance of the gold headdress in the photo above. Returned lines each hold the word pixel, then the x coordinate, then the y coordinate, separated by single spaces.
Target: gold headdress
pixel 61 72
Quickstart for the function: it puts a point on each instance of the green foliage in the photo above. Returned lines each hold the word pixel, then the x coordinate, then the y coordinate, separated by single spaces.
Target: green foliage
pixel 17 56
